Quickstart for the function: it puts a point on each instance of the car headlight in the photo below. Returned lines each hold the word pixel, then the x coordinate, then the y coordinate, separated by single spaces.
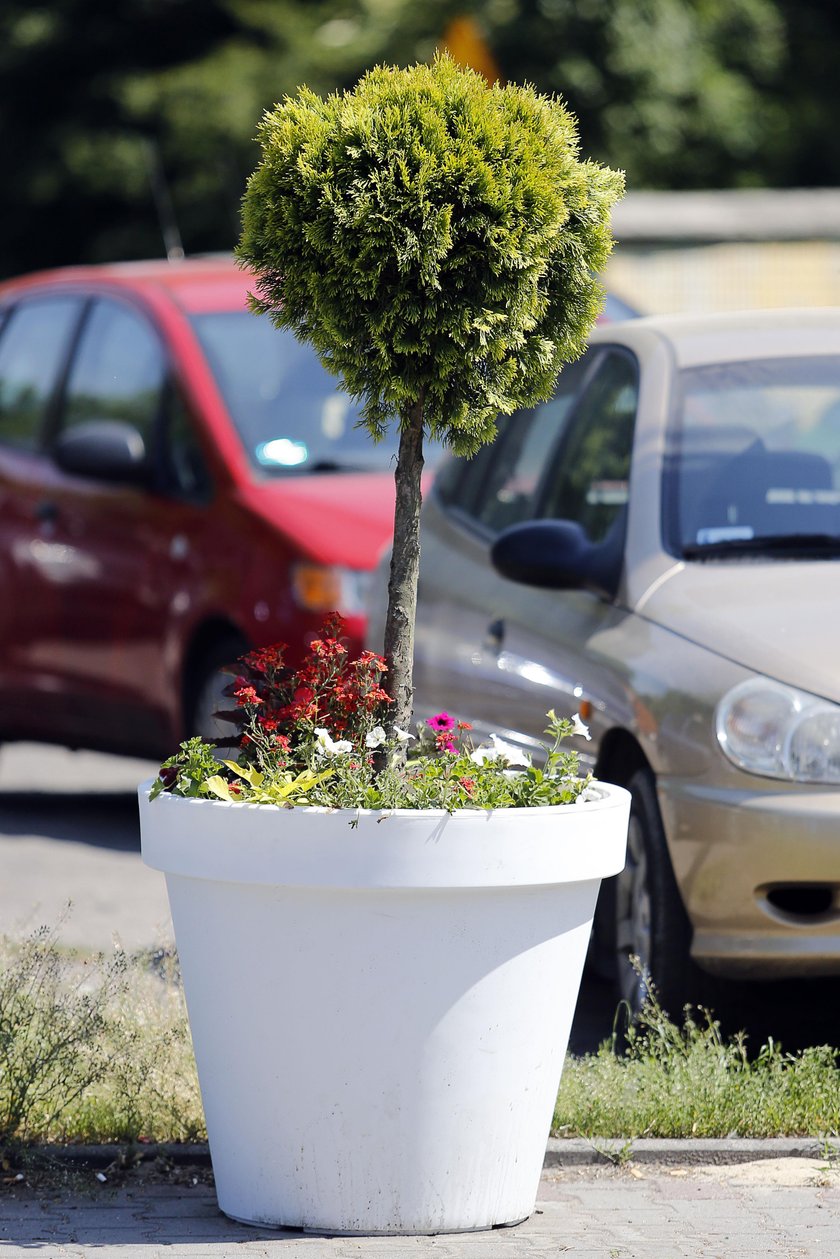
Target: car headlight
pixel 767 728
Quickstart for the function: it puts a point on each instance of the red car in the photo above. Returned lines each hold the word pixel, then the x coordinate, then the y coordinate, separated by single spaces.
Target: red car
pixel 179 481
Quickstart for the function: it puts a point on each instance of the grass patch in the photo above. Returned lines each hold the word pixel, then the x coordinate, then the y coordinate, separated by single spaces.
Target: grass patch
pixel 93 1049
pixel 98 1050
pixel 689 1080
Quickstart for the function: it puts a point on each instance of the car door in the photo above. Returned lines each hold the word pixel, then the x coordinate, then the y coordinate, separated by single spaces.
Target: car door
pixel 498 653
pixel 127 547
pixel 457 629
pixel 36 334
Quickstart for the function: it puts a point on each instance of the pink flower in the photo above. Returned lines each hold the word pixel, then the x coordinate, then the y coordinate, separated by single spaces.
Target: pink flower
pixel 441 721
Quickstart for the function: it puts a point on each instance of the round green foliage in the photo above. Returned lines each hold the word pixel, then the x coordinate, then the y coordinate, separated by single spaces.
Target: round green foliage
pixel 434 238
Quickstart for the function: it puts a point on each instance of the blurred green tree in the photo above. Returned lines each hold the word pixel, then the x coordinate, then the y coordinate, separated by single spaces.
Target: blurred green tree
pixel 76 180
pixel 678 88
pixel 104 105
pixel 802 139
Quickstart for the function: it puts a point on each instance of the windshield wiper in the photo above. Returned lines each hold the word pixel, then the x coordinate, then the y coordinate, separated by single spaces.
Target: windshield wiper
pixel 800 544
pixel 320 465
pixel 330 465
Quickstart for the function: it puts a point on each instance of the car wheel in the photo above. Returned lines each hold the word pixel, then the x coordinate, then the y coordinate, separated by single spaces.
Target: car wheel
pixel 207 691
pixel 649 921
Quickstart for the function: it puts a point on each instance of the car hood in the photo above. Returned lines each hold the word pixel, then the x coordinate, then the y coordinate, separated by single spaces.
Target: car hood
pixel 775 617
pixel 332 518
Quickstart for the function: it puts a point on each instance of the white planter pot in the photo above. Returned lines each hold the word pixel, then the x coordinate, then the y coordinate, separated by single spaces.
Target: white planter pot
pixel 380 1012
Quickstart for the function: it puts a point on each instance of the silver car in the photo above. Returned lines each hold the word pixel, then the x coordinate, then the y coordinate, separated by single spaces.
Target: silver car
pixel 658 548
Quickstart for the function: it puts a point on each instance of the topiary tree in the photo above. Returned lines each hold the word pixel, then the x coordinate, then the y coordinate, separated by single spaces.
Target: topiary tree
pixel 436 240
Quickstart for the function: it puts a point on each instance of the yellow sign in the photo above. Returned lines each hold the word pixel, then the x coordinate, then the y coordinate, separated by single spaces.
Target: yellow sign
pixel 465 43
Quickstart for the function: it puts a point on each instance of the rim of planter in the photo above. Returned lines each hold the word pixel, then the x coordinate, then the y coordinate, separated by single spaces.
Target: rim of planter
pixel 377 848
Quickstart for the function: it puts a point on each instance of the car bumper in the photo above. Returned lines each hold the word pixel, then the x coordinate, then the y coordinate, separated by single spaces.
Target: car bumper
pixel 759 872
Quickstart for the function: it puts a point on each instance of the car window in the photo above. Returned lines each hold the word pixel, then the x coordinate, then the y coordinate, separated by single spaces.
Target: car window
pixel 292 416
pixel 500 485
pixel 511 490
pixel 461 482
pixel 33 350
pixel 590 482
pixel 754 452
pixel 184 472
pixel 118 371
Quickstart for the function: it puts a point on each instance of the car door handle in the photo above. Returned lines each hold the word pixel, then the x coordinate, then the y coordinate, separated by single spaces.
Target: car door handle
pixel 494 636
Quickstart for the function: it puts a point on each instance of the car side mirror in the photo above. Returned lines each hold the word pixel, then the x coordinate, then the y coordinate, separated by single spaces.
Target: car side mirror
pixel 106 450
pixel 558 555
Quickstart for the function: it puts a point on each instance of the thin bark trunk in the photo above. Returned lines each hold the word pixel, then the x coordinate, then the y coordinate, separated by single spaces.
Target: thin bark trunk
pixel 405 569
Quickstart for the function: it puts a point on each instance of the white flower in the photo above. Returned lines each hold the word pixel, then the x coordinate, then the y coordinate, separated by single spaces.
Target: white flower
pixel 375 737
pixel 499 751
pixel 402 736
pixel 579 727
pixel 326 746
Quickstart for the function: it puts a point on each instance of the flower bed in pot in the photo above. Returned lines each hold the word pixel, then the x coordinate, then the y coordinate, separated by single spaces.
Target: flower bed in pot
pixel 380 999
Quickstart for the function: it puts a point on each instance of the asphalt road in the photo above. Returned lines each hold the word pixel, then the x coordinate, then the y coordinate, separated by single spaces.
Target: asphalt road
pixel 70 850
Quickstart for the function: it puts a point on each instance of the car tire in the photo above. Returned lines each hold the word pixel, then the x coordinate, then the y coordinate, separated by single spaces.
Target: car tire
pixel 209 678
pixel 648 919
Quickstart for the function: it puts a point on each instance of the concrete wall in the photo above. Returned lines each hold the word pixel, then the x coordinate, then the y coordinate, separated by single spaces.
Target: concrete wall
pixel 737 276
pixel 727 250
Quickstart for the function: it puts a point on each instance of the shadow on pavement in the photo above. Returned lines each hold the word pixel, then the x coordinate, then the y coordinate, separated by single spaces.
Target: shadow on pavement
pixel 594 1015
pixel 107 820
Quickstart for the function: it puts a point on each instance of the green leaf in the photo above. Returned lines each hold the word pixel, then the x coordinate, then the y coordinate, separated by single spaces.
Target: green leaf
pixel 249 773
pixel 216 786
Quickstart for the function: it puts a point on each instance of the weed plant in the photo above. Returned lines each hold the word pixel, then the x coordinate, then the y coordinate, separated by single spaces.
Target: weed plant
pixel 98 1050
pixel 664 1079
pixel 91 1049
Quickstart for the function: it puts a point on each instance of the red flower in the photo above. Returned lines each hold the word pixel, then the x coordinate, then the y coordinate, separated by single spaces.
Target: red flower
pixel 334 625
pixel 303 707
pixel 247 695
pixel 327 648
pixel 265 659
pixel 345 695
pixel 327 688
pixel 375 697
pixel 444 743
pixel 371 658
pixel 468 784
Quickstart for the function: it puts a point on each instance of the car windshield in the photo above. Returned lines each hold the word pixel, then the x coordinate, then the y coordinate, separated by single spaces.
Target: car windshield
pixel 753 463
pixel 290 413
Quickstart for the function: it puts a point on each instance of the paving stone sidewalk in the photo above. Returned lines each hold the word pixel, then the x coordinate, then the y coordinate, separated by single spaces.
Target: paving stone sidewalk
pixel 767 1209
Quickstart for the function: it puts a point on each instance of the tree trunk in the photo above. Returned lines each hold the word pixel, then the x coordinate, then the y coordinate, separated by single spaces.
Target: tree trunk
pixel 405 569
